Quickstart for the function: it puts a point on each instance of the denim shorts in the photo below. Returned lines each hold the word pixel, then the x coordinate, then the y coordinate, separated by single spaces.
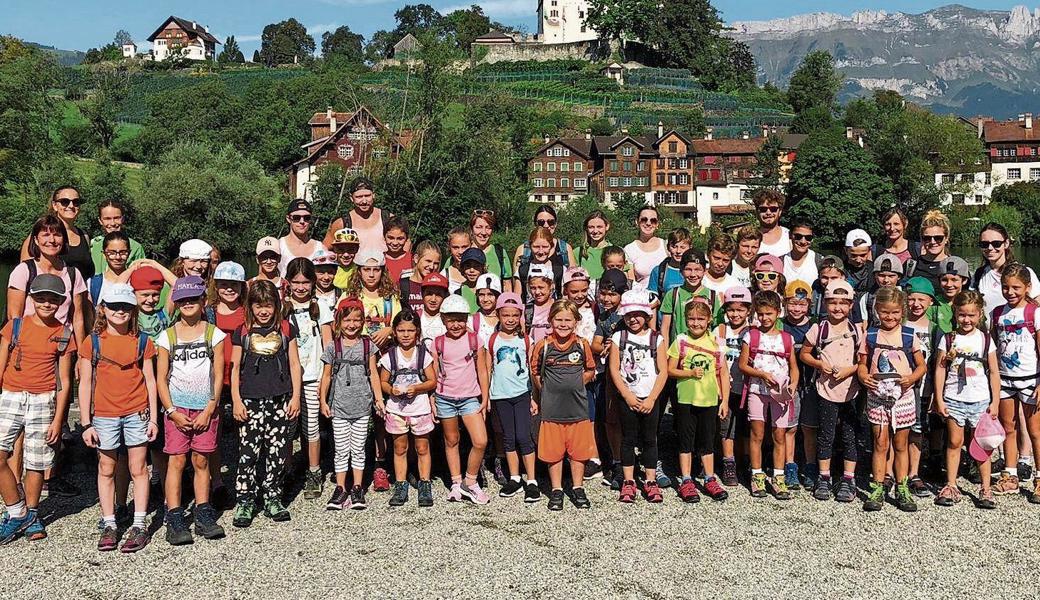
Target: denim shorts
pixel 966 412
pixel 449 408
pixel 116 432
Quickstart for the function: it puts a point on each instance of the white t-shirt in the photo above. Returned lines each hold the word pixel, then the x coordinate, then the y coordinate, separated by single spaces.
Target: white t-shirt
pixel 992 291
pixel 728 338
pixel 191 370
pixel 309 339
pixel 807 272
pixel 1016 346
pixel 781 247
pixel 587 325
pixel 643 262
pixel 775 365
pixel 720 287
pixel 637 363
pixel 287 255
pixel 741 274
pixel 484 327
pixel 966 379
pixel 407 374
pixel 432 326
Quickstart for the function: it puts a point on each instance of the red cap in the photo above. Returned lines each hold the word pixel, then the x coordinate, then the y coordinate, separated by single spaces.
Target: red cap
pixel 146 278
pixel 435 280
pixel 348 303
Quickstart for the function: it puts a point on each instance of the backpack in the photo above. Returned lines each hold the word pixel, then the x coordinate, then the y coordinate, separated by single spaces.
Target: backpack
pixel 243 333
pixel 420 358
pixel 474 345
pixel 825 339
pixel 907 348
pixel 949 337
pixel 211 314
pixel 63 344
pixel 662 272
pixel 94 287
pixel 338 361
pixel 1029 323
pixel 654 340
pixel 96 357
pixel 754 341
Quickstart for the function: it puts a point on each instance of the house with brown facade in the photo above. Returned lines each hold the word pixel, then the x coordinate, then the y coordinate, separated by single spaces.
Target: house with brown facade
pixel 182 38
pixel 560 169
pixel 672 169
pixel 623 165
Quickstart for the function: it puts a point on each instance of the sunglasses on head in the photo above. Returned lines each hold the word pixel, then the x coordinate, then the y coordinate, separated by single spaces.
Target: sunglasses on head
pixel 67 202
pixel 545 222
pixel 768 209
pixel 300 218
pixel 984 244
pixel 767 276
pixel 808 237
pixel 933 239
pixel 480 212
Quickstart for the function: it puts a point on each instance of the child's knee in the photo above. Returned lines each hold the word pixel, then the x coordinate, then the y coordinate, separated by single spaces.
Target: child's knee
pixel 200 461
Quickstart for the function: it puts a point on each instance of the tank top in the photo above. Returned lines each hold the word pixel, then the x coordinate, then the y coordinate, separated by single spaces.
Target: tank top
pixel 78 256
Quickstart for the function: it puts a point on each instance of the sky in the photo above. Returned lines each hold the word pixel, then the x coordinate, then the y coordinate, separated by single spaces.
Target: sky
pixel 82 24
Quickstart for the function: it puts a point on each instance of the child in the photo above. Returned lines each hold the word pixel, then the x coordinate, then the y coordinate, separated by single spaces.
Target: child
pixel 891 363
pixel 831 268
pixel 563 365
pixel 506 357
pixel 459 240
pixel 190 375
pixel 398 258
pixel 117 397
pixel 1014 329
pixel 434 291
pixel 345 245
pixel 266 384
pixel 796 322
pixel 460 395
pixel 472 265
pixel 703 398
pixel 888 270
pixel 426 260
pixel 268 256
pixel 311 321
pixel 858 267
pixel 36 378
pixel 224 309
pixel 485 319
pixel 967 387
pixel 372 285
pixel 116 249
pixel 832 349
pixel 673 307
pixel 953 279
pixel 349 387
pixel 668 274
pixel 721 250
pixel 147 283
pixel 639 369
pixel 576 289
pixel 919 297
pixel 537 321
pixel 749 240
pixel 605 412
pixel 770 371
pixel 538 256
pixel 734 422
pixel 768 276
pixel 325 267
pixel 407 377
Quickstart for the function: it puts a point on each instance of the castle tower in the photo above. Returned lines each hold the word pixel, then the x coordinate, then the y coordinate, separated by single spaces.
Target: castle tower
pixel 563 22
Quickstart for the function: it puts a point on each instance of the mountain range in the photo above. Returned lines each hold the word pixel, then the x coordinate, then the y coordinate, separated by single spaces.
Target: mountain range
pixel 66 58
pixel 953 59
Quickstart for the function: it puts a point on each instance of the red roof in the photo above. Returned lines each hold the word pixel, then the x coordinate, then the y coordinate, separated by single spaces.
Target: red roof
pixel 1009 131
pixel 728 146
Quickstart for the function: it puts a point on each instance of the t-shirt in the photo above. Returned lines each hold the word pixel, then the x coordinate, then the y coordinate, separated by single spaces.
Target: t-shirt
pixel 308 340
pixel 375 312
pixel 470 296
pixel 510 376
pixel 98 257
pixel 413 297
pixel 191 368
pixel 228 324
pixel 287 256
pixel 673 277
pixel 540 326
pixel 19 280
pixel 883 361
pixel 720 287
pixel 343 276
pixel 941 313
pixel 675 302
pixel 395 267
pixel 119 388
pixel 1015 345
pixel 432 326
pixel 496 263
pixel 329 299
pixel 458 367
pixel 692 354
pixel 591 259
pixel 350 394
pixel 482 326
pixel 767 359
pixel 407 374
pixel 605 328
pixel 31 366
pixel 155 323
pixel 643 262
pixel 840 349
pixel 797 333
pixel 742 274
pixel 264 372
pixel 780 247
pixel 966 377
pixel 586 328
pixel 807 271
pixel 730 339
pixel 562 368
pixel 926 342
pixel 993 291
pixel 637 364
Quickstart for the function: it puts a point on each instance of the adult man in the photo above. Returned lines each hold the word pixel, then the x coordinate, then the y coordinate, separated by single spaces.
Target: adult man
pixel 112 217
pixel 769 205
pixel 298 241
pixel 364 218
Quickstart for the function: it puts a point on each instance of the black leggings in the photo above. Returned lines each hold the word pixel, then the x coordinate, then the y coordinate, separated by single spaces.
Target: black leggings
pixel 830 414
pixel 640 430
pixel 515 415
pixel 697 426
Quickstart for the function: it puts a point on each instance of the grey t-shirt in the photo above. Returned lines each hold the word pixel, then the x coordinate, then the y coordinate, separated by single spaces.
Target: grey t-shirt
pixel 564 399
pixel 350 395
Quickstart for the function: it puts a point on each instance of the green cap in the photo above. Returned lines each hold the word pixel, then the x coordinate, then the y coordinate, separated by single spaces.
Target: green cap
pixel 919 285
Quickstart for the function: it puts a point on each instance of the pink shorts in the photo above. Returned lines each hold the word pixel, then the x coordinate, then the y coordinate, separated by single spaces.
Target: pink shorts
pixel 766 408
pixel 901 415
pixel 417 424
pixel 179 442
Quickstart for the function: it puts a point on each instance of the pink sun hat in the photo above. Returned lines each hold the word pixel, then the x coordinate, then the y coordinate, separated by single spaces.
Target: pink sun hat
pixel 989 435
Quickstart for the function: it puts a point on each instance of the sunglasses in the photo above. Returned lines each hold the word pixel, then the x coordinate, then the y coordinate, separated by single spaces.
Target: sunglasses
pixel 802 236
pixel 120 307
pixel 768 209
pixel 648 220
pixel 545 222
pixel 769 276
pixel 192 300
pixel 300 218
pixel 933 239
pixel 483 213
pixel 984 244
pixel 67 202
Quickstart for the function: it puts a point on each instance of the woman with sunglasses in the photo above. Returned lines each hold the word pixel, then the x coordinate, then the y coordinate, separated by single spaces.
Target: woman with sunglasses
pixel 935 237
pixel 769 205
pixel 802 262
pixel 482 225
pixel 996 247
pixel 647 251
pixel 65 203
pixel 895 242
pixel 298 242
pixel 561 252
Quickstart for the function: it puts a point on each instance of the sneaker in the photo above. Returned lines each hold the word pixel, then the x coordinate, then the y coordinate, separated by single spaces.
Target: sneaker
pixel 425 493
pixel 810 474
pixel 455 493
pixel 791 476
pixel 312 485
pixel 948 496
pixel 532 493
pixel 12 528
pixel 400 496
pixel 986 499
pixel 822 489
pixel 474 493
pixel 875 497
pixel 59 486
pixel 500 473
pixel 276 512
pixel 109 540
pixel 846 490
pixel 1006 484
pixel 556 500
pixel 714 490
pixel 618 478
pixel 593 469
pixel 780 491
pixel 177 532
pixel 889 483
pixel 357 498
pixel 688 492
pixel 1034 498
pixel 628 492
pixel 1025 471
pixel 918 487
pixel 244 513
pixel 663 480
pixel 652 492
pixel 36 530
pixel 905 498
pixel 338 500
pixel 579 498
pixel 729 472
pixel 758 485
pixel 136 539
pixel 380 480
pixel 510 489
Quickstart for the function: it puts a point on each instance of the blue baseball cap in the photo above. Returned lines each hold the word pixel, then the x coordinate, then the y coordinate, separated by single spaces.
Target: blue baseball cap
pixel 190 286
pixel 230 271
pixel 119 293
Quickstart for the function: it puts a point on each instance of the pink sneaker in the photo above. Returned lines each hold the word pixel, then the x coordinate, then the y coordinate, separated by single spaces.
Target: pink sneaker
pixel 474 493
pixel 455 495
pixel 380 480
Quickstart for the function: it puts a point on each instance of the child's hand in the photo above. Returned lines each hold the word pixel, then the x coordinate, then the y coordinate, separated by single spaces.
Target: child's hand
pixel 698 372
pixel 380 408
pixel 326 411
pixel 381 337
pixel 792 388
pixel 293 409
pixel 180 421
pixel 633 403
pixel 645 406
pixel 870 383
pixel 53 432
pixel 940 408
pixel 238 410
pixel 398 391
pixel 153 431
pixel 201 421
pixel 994 409
pixel 770 381
pixel 534 408
pixel 723 409
pixel 827 368
pixel 906 382
pixel 409 392
pixel 90 437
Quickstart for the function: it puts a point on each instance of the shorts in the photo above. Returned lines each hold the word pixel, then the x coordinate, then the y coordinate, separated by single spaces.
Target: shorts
pixel 402 424
pixel 966 412
pixel 574 440
pixel 736 422
pixel 450 408
pixel 116 432
pixel 809 414
pixel 179 442
pixel 900 415
pixel 766 408
pixel 1019 388
pixel 33 414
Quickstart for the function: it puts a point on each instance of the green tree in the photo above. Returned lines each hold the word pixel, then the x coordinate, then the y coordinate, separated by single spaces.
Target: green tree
pixel 27 114
pixel 108 52
pixel 622 19
pixel 378 46
pixel 467 25
pixel 256 57
pixel 231 52
pixel 122 38
pixel 815 83
pixel 286 42
pixel 768 164
pixel 342 43
pixel 206 112
pixel 1025 198
pixel 812 119
pixel 416 19
pixel 111 85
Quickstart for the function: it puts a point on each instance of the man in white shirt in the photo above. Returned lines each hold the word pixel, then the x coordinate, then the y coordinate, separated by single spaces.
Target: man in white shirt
pixel 769 205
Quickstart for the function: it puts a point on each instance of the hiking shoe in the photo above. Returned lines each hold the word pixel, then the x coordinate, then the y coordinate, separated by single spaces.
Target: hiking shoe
pixel 663 480
pixel 688 492
pixel 1025 471
pixel 338 500
pixel 579 498
pixel 758 485
pixel 556 500
pixel 652 492
pixel 312 485
pixel 177 532
pixel 244 513
pixel 380 480
pixel 531 492
pixel 276 512
pixel 510 489
pixel 846 490
pixel 357 498
pixel 12 528
pixel 136 539
pixel 109 540
pixel 889 483
pixel 822 490
pixel 206 522
pixel 729 472
pixel 810 474
pixel 1034 498
pixel 59 486
pixel 780 491
pixel 1006 484
pixel 500 473
pixel 425 493
pixel 905 498
pixel 791 476
pixel 400 496
pixel 986 499
pixel 628 492
pixel 918 487
pixel 948 496
pixel 875 497
pixel 36 530
pixel 455 493
pixel 714 490
pixel 593 469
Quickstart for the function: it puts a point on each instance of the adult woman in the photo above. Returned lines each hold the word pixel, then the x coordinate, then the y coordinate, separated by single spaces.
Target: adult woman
pixel 995 245
pixel 800 262
pixel 364 218
pixel 65 203
pixel 590 255
pixel 111 217
pixel 646 251
pixel 298 241
pixel 482 225
pixel 895 242
pixel 935 238
pixel 561 253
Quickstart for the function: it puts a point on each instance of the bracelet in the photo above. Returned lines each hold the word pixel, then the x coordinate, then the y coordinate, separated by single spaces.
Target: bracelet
pixel 88 426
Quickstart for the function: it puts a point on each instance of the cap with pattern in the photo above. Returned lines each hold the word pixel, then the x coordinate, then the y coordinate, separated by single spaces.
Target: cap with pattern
pixel 454 304
pixel 434 280
pixel 189 286
pixel 345 236
pixel 798 290
pixel 540 270
pixel 118 293
pixel 324 258
pixel 268 244
pixel 488 281
pixel 737 293
pixel 635 301
pixel 230 271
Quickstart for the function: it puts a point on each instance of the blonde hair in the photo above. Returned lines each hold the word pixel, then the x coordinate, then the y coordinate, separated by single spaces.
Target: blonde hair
pixel 564 306
pixel 698 307
pixel 891 295
pixel 936 218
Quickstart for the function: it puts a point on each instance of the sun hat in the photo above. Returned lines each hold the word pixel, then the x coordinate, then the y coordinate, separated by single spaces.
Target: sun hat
pixel 118 293
pixel 365 257
pixel 189 286
pixel 509 300
pixel 857 238
pixel 268 244
pixel 919 285
pixel 195 250
pixel 888 263
pixel 454 304
pixel 488 281
pixel 839 289
pixel 345 236
pixel 768 262
pixel 635 301
pixel 147 278
pixel 230 271
pixel 45 283
pixel 737 293
pixel 989 435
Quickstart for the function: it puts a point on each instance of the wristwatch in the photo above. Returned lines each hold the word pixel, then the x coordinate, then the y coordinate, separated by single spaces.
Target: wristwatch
pixel 169 411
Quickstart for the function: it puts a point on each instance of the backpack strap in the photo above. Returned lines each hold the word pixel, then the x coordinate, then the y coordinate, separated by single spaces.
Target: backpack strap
pixel 210 332
pixel 405 286
pixel 164 321
pixel 171 337
pixel 366 352
pixel 500 252
pixel 1031 317
pixel 654 339
pixel 438 346
pixel 491 344
pixel 754 339
pixel 392 356
pixel 788 341
pixel 420 358
pixel 562 250
pixel 63 345
pixel 388 309
pixel 95 288
pixel 30 264
pixel 142 344
pixel 211 314
pixel 662 271
pixel 872 333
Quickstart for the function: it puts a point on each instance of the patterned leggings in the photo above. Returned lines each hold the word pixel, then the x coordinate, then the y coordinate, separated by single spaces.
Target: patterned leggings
pixel 349 437
pixel 310 411
pixel 264 436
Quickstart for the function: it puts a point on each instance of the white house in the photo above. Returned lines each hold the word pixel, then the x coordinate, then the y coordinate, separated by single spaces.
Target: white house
pixel 181 37
pixel 129 50
pixel 563 22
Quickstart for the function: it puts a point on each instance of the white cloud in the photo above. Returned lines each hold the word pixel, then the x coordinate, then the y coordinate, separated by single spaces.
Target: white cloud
pixel 498 8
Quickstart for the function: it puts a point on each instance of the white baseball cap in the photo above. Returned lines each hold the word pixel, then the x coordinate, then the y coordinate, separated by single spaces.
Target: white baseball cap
pixel 195 250
pixel 489 281
pixel 540 270
pixel 857 238
pixel 454 304
pixel 119 293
